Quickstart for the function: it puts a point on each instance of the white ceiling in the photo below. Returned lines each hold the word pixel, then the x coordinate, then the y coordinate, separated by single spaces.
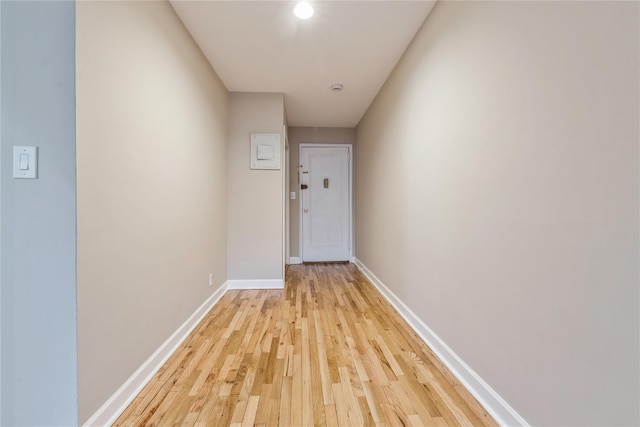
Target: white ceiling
pixel 260 46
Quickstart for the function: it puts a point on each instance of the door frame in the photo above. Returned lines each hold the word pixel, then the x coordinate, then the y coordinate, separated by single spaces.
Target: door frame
pixel 286 228
pixel 350 186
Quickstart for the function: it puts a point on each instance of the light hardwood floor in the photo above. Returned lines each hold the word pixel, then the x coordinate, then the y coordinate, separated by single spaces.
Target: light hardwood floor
pixel 326 351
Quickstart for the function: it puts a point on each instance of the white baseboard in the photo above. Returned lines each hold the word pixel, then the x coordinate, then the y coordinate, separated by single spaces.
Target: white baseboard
pixel 295 260
pixel 256 284
pixel 118 402
pixel 495 405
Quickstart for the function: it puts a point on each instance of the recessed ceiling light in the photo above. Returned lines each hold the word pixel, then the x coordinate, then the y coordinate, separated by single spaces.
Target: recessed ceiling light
pixel 336 87
pixel 303 10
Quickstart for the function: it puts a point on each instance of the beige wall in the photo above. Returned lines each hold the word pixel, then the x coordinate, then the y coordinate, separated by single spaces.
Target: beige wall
pixel 497 196
pixel 255 205
pixel 307 135
pixel 151 170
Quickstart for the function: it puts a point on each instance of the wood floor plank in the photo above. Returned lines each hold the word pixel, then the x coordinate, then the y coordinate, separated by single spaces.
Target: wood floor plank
pixel 328 350
pixel 262 412
pixel 250 413
pixel 296 391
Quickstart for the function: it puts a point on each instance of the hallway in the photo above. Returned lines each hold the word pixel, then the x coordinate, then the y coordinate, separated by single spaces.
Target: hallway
pixel 495 203
pixel 328 350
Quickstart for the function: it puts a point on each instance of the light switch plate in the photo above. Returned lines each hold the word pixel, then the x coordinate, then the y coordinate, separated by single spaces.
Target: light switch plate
pixel 25 162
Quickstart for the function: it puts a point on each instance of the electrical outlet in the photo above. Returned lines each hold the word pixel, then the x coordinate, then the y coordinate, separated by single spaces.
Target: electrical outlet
pixel 210 279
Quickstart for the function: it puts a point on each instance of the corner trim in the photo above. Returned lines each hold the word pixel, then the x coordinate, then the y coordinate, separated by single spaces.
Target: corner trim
pixel 295 260
pixel 499 409
pixel 256 284
pixel 118 402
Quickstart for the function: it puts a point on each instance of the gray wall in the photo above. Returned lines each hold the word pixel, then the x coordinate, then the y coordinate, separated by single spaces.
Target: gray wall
pixel 39 372
pixel 497 196
pixel 309 135
pixel 1 179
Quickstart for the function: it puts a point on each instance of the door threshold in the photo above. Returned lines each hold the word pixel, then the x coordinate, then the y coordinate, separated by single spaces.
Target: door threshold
pixel 325 262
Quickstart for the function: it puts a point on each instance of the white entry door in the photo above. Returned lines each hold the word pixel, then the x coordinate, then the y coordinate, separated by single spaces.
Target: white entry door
pixel 326 216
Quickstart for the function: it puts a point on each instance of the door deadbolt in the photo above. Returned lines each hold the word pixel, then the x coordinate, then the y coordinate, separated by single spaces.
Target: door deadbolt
pixel 304 186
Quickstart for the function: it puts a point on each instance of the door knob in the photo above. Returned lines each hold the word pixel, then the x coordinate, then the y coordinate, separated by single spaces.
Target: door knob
pixel 306 211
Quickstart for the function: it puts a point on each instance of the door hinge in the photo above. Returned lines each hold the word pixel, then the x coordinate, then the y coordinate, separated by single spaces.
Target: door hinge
pixel 348 156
